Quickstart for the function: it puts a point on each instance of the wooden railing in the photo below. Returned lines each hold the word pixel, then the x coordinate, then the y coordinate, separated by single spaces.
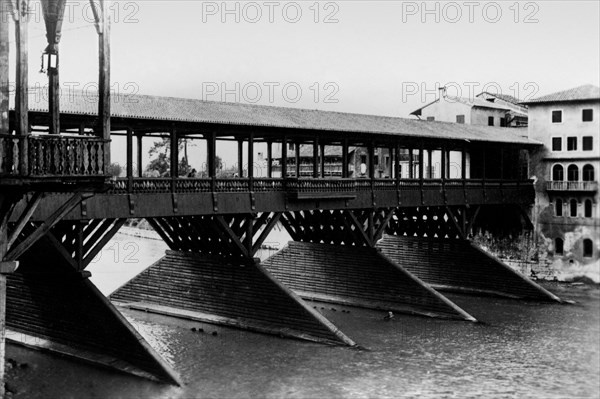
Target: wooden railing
pixel 52 155
pixel 453 190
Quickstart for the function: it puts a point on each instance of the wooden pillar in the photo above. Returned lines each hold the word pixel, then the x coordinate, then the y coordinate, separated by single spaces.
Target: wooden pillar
pixel 463 164
pixel 443 170
pixel 322 160
pixel 54 94
pixel 397 172
pixel 129 159
pixel 411 166
pixel 284 158
pixel 269 159
pixel 315 173
pixel 22 80
pixel 4 70
pixel 345 159
pixel 240 158
pixel 297 160
pixel 371 149
pixel 139 154
pixel 430 163
pixel 211 149
pixel 174 153
pixel 421 162
pixel 251 162
pixel 103 28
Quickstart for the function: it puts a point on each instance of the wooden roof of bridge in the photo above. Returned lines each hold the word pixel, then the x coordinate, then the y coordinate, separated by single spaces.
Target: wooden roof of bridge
pixel 145 108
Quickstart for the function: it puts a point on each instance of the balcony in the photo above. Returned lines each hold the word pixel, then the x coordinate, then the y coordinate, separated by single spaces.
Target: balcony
pixel 57 160
pixel 590 186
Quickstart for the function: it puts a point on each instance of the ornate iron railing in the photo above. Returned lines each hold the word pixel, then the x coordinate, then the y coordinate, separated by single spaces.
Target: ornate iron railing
pixel 52 155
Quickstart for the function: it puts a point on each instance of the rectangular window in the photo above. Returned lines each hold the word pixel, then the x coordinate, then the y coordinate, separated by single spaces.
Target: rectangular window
pixel 588 143
pixel 490 121
pixel 291 146
pixel 587 115
pixel 556 116
pixel 556 143
pixel 376 159
pixel 431 118
pixel 460 119
pixel 571 143
pixel 503 122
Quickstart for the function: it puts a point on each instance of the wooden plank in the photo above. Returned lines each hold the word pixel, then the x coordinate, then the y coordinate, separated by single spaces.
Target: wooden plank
pixel 384 223
pixel 22 82
pixel 455 223
pixel 60 248
pixel 359 227
pixel 234 238
pixel 104 75
pixel 265 233
pixel 100 244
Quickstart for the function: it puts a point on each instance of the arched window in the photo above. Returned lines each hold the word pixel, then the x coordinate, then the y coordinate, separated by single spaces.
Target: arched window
pixel 588 173
pixel 573 207
pixel 573 173
pixel 558 173
pixel 588 248
pixel 558 207
pixel 587 208
pixel 558 246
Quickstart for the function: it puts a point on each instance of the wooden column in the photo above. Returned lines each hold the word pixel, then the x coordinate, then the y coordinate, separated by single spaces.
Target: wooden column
pixel 345 159
pixel 421 162
pixel 240 158
pixel 4 71
pixel 174 153
pixel 315 173
pixel 139 154
pixel 463 164
pixel 284 151
pixel 297 160
pixel 411 166
pixel 397 172
pixel 371 149
pixel 211 149
pixel 322 160
pixel 269 159
pixel 251 162
pixel 21 17
pixel 443 164
pixel 102 18
pixel 430 163
pixel 129 159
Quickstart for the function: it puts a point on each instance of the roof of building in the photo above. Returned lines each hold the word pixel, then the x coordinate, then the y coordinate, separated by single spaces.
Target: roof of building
pixel 580 93
pixel 171 109
pixel 471 102
pixel 504 97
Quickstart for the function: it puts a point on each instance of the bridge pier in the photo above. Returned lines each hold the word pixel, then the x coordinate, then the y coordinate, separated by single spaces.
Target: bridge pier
pixel 210 275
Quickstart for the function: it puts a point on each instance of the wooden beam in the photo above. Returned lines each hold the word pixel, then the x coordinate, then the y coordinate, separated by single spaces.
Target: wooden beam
pixel 129 149
pixel 140 171
pixel 46 225
pixel 297 160
pixel 322 159
pixel 32 205
pixel 265 233
pixel 104 74
pixel 455 221
pixel 384 223
pixel 22 80
pixel 60 248
pixel 234 238
pixel 360 228
pixel 345 159
pixel 100 244
pixel 158 228
pixel 269 159
pixel 284 158
pixel 240 157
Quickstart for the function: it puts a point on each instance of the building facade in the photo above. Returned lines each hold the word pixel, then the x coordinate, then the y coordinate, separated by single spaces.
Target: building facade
pixel 566 213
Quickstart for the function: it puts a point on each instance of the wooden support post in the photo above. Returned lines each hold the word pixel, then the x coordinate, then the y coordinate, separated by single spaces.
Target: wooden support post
pixel 443 164
pixel 251 162
pixel 284 158
pixel 371 149
pixel 240 158
pixel 463 164
pixel 421 166
pixel 129 160
pixel 297 160
pixel 411 166
pixel 322 160
pixel 22 81
pixel 140 171
pixel 315 171
pixel 174 153
pixel 269 159
pixel 4 70
pixel 211 148
pixel 345 158
pixel 397 172
pixel 103 22
pixel 430 163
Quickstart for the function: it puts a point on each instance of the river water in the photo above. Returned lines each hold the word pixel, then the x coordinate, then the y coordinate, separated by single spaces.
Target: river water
pixel 519 350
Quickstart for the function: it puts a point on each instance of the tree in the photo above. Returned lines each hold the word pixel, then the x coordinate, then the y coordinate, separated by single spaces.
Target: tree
pixel 162 163
pixel 114 169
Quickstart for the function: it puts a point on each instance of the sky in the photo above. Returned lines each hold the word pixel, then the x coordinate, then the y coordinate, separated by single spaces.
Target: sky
pixel 372 57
